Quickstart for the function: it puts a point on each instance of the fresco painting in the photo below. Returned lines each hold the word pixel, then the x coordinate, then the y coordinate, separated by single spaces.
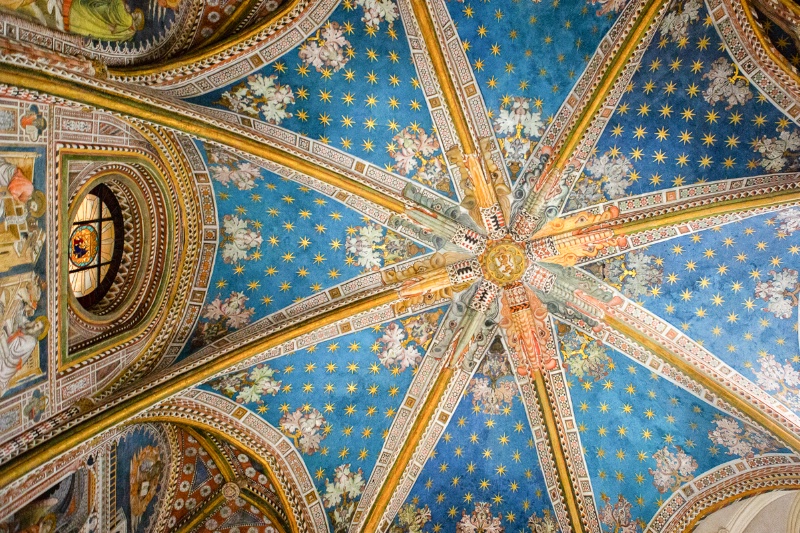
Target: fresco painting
pixel 24 323
pixel 102 20
pixel 277 235
pixel 312 396
pixel 70 506
pixel 142 469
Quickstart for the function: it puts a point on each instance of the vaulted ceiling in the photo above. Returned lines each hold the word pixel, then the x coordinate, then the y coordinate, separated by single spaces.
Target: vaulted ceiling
pixel 414 266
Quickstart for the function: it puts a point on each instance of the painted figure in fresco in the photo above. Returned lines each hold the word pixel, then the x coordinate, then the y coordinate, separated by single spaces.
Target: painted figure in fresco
pixel 16 183
pixel 21 205
pixel 17 345
pixel 32 122
pixel 146 468
pixel 36 406
pixel 107 20
pixel 63 508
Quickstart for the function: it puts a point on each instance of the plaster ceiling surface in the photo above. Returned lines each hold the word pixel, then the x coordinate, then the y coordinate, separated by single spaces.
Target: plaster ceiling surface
pixel 686 117
pixel 531 266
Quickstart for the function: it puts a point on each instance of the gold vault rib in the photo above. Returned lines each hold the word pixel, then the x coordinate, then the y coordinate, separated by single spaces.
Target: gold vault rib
pixel 254 500
pixel 616 66
pixel 421 422
pixel 423 419
pixel 778 59
pixel 203 513
pixel 127 105
pixel 551 427
pixel 712 209
pixel 449 92
pixel 725 207
pixel 791 440
pixel 122 412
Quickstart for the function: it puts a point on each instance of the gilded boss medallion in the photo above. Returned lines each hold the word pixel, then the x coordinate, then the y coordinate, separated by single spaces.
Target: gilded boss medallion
pixel 504 262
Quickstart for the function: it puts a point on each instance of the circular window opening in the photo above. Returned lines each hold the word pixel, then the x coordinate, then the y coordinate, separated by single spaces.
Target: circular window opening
pixel 95 246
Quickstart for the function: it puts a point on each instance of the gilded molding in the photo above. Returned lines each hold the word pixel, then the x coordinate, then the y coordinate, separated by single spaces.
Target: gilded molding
pixel 755 56
pixel 722 486
pixel 571 498
pixel 179 116
pixel 734 397
pixel 96 421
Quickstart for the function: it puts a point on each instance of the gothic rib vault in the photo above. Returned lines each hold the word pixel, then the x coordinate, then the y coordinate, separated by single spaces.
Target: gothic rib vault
pixel 399 265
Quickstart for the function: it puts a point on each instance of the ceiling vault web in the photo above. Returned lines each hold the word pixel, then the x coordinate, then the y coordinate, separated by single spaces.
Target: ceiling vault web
pixel 91 426
pixel 736 399
pixel 549 415
pixel 173 115
pixel 516 271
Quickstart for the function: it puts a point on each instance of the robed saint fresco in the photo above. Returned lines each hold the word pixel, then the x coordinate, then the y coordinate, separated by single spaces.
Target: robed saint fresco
pixel 102 20
pixel 24 323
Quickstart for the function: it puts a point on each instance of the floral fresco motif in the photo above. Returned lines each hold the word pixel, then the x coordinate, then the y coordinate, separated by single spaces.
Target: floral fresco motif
pixel 724 85
pixel 584 358
pixel 372 246
pixel 222 316
pixel 328 49
pixel 480 519
pixel 493 387
pixel 377 11
pixel 415 155
pixel 341 496
pixel 779 153
pixel 306 427
pixel 788 221
pixel 248 387
pixel 411 519
pixel 673 469
pixel 782 379
pixel 403 344
pixel 517 127
pixel 780 292
pixel 616 517
pixel 741 439
pixel 608 6
pixel 634 274
pixel 238 239
pixel 260 96
pixel 546 523
pixel 605 178
pixel 676 23
pixel 231 170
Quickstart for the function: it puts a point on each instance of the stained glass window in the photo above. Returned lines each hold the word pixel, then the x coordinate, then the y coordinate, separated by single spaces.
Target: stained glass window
pixel 95 245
